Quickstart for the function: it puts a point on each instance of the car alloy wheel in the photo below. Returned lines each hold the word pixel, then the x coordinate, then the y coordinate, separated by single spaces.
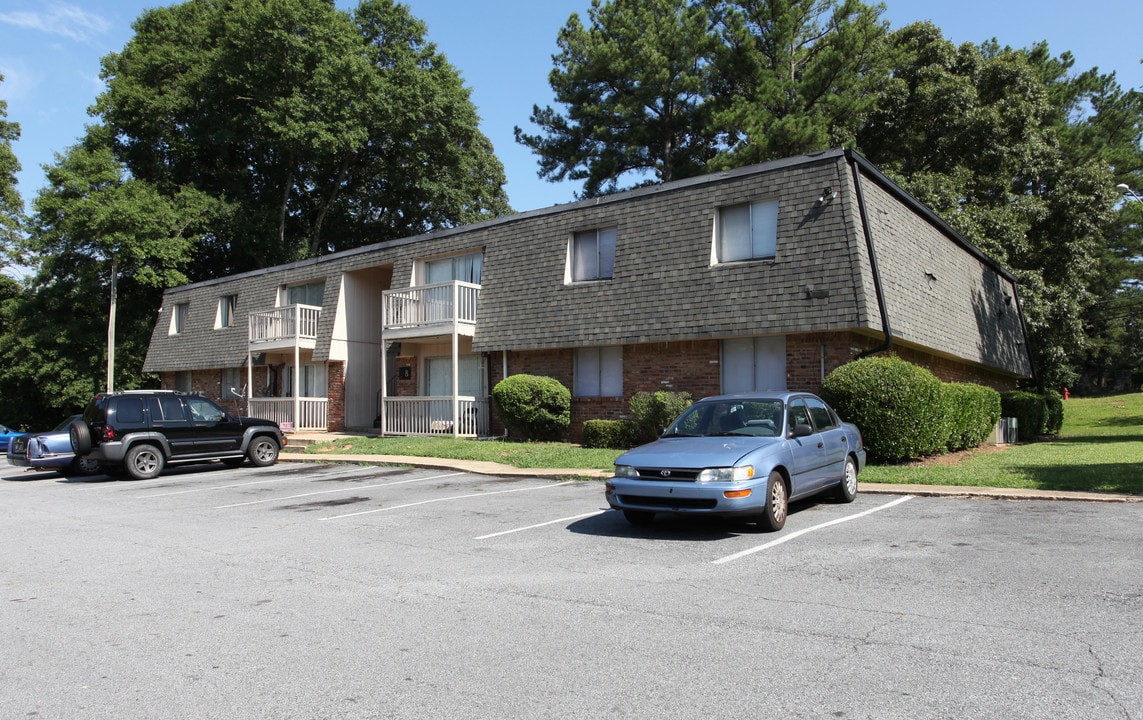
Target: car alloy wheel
pixel 774 514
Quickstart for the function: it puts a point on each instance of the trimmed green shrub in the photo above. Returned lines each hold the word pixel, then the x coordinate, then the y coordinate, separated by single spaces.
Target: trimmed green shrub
pixel 973 411
pixel 1030 411
pixel 654 411
pixel 899 407
pixel 1036 413
pixel 533 407
pixel 1054 408
pixel 610 434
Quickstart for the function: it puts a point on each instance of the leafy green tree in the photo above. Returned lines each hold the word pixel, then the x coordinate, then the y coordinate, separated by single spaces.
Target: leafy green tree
pixel 11 206
pixel 975 133
pixel 91 220
pixel 634 83
pixel 795 76
pixel 312 129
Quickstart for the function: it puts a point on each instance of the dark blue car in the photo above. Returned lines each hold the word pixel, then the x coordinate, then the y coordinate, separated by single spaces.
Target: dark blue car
pixel 49 451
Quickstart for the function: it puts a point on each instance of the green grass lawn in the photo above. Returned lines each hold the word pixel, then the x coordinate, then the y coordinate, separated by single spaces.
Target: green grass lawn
pixel 1100 449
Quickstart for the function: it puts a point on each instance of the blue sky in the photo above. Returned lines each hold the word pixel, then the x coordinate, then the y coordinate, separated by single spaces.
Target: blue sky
pixel 50 52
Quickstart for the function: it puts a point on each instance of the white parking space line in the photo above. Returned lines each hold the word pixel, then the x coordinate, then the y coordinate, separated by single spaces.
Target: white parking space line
pixel 446 499
pixel 348 488
pixel 540 525
pixel 799 533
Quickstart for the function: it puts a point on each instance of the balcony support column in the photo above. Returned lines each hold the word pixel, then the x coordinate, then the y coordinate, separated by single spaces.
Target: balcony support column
pixel 455 362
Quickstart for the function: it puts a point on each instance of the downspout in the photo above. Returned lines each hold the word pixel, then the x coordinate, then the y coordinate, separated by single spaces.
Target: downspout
pixel 877 289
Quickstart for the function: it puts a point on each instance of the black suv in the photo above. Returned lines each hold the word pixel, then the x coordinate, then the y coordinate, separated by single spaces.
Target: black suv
pixel 141 431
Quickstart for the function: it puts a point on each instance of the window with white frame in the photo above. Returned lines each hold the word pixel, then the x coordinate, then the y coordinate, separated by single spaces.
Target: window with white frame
pixel 312 378
pixel 470 376
pixel 227 304
pixel 311 293
pixel 598 372
pixel 466 268
pixel 746 232
pixel 753 364
pixel 591 255
pixel 179 318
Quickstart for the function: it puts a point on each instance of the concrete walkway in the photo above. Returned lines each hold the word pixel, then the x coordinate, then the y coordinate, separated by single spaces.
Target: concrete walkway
pixel 295 452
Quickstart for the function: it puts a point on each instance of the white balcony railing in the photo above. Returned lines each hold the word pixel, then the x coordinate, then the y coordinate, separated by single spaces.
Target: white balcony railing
pixel 433 416
pixel 431 305
pixel 313 413
pixel 290 322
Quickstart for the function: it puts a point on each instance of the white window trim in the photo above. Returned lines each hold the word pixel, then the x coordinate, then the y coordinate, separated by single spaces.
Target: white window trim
pixel 715 258
pixel 607 378
pixel 177 327
pixel 569 264
pixel 420 267
pixel 220 315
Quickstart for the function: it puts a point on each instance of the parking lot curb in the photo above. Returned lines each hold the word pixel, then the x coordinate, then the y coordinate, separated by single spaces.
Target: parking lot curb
pixel 481 467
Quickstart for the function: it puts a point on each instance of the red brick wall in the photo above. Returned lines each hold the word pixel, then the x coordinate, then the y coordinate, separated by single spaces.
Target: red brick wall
pixel 694 367
pixel 335 391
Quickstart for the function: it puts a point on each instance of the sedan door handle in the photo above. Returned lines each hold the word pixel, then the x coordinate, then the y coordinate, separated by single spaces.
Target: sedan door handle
pixel 821 445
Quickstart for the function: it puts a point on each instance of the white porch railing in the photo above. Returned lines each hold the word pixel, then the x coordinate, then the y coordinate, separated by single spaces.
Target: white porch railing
pixel 296 322
pixel 314 412
pixel 433 416
pixel 429 305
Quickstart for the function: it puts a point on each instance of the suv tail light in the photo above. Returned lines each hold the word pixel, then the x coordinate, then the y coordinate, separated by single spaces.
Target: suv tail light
pixel 108 434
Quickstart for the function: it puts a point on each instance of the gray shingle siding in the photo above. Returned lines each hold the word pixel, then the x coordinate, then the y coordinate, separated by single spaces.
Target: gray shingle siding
pixel 664 287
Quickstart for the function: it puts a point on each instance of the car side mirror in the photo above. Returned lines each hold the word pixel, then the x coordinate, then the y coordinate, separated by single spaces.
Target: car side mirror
pixel 801 430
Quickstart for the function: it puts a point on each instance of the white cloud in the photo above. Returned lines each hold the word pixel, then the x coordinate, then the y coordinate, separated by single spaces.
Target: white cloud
pixel 70 21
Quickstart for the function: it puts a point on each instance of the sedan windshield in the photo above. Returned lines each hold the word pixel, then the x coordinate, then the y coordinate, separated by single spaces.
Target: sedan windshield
pixel 759 418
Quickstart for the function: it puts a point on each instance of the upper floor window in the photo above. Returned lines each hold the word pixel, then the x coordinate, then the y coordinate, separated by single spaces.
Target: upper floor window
pixel 592 254
pixel 465 268
pixel 227 304
pixel 599 372
pixel 747 232
pixel 179 318
pixel 307 294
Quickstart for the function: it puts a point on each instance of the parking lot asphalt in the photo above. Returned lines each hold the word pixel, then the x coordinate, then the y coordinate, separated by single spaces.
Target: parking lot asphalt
pixel 363 591
pixel 297 454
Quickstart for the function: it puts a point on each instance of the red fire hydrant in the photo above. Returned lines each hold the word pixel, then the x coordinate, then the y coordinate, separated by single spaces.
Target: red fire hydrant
pixel 1067 394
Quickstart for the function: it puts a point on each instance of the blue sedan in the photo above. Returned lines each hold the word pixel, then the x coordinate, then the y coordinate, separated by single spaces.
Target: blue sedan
pixel 740 455
pixel 50 451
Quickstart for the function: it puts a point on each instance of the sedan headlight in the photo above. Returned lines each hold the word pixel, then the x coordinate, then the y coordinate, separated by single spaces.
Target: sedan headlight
pixel 730 474
pixel 628 471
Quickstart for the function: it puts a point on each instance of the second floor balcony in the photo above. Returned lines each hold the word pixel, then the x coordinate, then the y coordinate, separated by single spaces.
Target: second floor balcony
pixel 426 310
pixel 284 327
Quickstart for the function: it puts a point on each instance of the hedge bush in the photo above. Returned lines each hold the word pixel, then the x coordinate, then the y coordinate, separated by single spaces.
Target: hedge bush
pixel 973 412
pixel 533 407
pixel 1030 410
pixel 654 411
pixel 899 407
pixel 1054 412
pixel 610 434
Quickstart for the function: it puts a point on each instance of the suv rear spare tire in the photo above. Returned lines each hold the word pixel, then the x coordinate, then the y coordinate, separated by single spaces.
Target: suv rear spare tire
pixel 80 436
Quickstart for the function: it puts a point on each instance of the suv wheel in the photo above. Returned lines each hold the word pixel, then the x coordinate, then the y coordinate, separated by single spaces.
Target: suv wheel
pixel 263 451
pixel 143 462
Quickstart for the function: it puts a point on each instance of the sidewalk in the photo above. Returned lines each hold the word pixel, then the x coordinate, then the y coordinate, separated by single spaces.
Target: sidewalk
pixel 295 453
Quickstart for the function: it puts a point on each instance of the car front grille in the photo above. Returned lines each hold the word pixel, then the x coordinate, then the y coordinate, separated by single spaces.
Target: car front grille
pixel 669 502
pixel 668 474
